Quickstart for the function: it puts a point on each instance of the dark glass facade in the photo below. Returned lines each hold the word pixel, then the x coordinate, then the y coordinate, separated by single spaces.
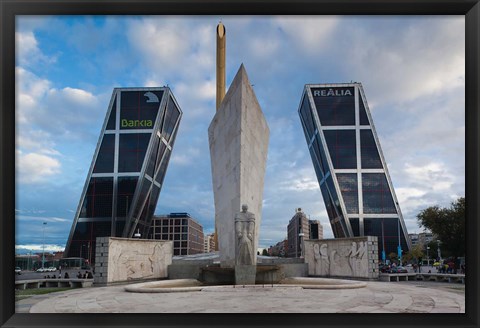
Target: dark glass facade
pixel 128 168
pixel 354 181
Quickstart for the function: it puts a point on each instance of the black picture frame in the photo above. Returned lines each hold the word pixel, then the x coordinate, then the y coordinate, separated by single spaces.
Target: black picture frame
pixel 10 8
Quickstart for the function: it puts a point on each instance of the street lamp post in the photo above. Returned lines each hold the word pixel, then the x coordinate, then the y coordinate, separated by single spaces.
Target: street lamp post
pixel 301 234
pixel 428 260
pixel 438 250
pixel 88 252
pixel 81 250
pixel 137 234
pixel 43 246
pixel 399 248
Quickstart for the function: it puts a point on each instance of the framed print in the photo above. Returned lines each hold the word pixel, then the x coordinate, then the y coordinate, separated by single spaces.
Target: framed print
pixel 266 143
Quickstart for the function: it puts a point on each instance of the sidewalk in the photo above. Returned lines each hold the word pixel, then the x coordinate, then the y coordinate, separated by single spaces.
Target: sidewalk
pixel 377 297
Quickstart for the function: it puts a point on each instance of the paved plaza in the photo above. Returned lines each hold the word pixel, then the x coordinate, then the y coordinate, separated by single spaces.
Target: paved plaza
pixel 376 297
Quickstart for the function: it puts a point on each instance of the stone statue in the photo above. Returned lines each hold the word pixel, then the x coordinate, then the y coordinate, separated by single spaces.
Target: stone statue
pixel 245 236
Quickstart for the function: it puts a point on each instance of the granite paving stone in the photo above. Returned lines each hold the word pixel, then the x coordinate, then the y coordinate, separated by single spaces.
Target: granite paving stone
pixel 376 297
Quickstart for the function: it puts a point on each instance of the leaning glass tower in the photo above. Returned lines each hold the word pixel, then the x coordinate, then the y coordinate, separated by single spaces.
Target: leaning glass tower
pixel 127 170
pixel 350 167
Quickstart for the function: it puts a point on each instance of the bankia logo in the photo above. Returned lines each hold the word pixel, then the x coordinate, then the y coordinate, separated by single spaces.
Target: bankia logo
pixel 151 97
pixel 136 123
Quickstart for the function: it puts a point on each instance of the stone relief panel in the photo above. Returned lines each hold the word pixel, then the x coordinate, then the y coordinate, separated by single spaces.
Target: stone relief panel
pixel 345 257
pixel 130 259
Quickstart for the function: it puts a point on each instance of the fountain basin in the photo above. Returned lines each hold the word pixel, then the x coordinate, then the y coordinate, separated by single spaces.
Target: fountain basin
pixel 166 286
pixel 192 285
pixel 322 283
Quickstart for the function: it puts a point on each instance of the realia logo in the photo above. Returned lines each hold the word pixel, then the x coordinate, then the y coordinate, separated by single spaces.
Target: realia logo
pixel 331 92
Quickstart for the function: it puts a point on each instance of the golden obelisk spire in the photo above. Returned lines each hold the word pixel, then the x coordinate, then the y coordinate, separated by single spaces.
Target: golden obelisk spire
pixel 221 50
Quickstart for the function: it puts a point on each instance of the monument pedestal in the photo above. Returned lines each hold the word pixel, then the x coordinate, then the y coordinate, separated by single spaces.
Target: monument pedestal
pixel 245 274
pixel 238 137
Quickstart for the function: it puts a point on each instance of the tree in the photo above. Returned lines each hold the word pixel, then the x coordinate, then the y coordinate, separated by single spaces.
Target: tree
pixel 432 252
pixel 393 256
pixel 265 252
pixel 448 224
pixel 414 254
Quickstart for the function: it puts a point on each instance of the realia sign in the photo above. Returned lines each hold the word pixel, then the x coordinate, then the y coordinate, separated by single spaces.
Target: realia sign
pixel 332 92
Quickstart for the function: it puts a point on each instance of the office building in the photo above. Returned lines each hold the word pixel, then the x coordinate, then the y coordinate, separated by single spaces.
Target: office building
pixel 350 166
pixel 279 249
pixel 209 242
pixel 301 228
pixel 316 229
pixel 414 241
pixel 127 170
pixel 182 229
pixel 425 238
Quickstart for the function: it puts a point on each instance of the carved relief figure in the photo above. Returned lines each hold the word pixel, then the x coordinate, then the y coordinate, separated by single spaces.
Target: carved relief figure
pixel 245 233
pixel 352 255
pixel 321 260
pixel 325 270
pixel 356 259
pixel 316 258
pixel 157 259
pixel 361 262
pixel 336 268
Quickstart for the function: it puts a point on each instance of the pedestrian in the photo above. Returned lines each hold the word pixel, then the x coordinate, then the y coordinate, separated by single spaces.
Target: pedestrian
pixel 79 275
pixel 90 276
pixel 66 275
pixel 85 275
pixel 60 269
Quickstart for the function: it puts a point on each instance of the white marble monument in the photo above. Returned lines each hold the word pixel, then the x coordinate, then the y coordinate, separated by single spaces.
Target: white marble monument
pixel 238 137
pixel 343 257
pixel 125 259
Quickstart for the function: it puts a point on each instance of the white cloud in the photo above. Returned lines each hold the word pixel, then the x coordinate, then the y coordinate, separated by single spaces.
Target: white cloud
pixel 308 33
pixel 39 218
pixel 66 112
pixel 28 52
pixel 433 175
pixel 40 248
pixel 186 157
pixel 426 58
pixel 162 44
pixel 37 141
pixel 34 168
pixel 412 69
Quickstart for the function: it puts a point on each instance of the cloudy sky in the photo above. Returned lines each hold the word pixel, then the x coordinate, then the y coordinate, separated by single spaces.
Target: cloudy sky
pixel 412 70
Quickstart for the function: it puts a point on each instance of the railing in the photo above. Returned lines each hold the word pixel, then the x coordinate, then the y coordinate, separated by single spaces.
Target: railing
pixel 53 282
pixel 440 277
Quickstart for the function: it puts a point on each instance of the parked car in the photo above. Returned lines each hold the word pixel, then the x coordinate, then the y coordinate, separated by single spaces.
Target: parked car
pixel 52 269
pixel 398 269
pixel 18 270
pixel 42 270
pixel 384 268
